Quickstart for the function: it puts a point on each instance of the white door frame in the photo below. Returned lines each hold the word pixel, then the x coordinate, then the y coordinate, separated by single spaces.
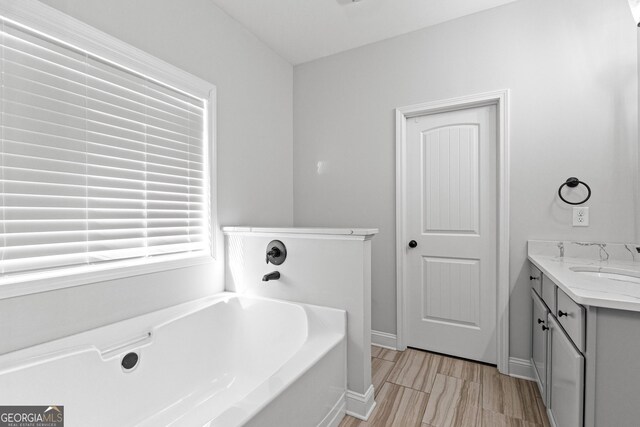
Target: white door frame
pixel 501 100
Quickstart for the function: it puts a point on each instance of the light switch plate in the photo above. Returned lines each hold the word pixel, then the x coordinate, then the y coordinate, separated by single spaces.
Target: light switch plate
pixel 580 216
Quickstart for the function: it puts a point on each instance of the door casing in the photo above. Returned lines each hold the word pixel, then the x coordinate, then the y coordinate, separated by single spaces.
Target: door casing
pixel 501 100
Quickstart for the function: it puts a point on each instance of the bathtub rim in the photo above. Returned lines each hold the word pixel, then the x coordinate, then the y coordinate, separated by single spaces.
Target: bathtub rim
pixel 81 342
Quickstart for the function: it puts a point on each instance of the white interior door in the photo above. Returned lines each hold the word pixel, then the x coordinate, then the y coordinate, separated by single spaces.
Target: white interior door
pixel 451 215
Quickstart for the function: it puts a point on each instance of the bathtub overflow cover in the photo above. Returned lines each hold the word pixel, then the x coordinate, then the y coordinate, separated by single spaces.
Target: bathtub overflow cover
pixel 129 361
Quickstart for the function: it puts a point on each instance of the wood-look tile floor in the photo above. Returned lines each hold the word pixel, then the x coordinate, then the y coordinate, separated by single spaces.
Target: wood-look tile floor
pixel 417 388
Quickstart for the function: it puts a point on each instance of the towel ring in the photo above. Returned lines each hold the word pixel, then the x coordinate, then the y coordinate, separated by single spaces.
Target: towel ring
pixel 572 183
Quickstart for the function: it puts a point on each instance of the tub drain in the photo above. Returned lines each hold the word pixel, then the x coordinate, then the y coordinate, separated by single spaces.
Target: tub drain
pixel 129 361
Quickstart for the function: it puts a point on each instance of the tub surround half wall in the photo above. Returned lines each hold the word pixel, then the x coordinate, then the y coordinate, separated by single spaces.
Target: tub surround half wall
pixel 327 267
pixel 315 231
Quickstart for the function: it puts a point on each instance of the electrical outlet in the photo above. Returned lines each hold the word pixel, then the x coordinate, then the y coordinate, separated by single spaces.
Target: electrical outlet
pixel 580 217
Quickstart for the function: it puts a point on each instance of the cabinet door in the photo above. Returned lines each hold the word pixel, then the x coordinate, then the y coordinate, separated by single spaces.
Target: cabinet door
pixel 539 344
pixel 566 381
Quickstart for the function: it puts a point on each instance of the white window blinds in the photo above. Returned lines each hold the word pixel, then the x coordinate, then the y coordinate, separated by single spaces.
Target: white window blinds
pixel 99 164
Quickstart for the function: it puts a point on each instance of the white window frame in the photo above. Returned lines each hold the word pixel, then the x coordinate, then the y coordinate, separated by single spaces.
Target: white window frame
pixel 54 24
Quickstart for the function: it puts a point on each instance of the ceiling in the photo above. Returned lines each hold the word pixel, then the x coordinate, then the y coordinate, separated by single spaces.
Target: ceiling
pixel 304 30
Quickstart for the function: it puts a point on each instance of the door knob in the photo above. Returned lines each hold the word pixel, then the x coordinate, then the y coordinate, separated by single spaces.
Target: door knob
pixel 413 244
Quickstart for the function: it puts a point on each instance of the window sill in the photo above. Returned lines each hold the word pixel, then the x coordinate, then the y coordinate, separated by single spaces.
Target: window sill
pixel 26 284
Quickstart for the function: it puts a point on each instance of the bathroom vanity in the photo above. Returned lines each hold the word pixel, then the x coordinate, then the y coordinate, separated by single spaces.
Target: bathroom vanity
pixel 586 332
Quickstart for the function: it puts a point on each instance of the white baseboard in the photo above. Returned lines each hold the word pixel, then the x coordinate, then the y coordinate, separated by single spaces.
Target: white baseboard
pixel 335 416
pixel 361 405
pixel 552 421
pixel 383 339
pixel 521 368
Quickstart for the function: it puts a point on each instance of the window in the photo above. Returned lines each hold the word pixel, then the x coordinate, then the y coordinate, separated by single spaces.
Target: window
pixel 102 166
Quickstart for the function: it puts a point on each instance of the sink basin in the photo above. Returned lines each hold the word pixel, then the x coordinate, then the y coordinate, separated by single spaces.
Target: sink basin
pixel 609 273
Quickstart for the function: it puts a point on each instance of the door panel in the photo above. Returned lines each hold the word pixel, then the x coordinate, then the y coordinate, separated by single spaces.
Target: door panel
pixel 451 180
pixel 451 213
pixel 458 302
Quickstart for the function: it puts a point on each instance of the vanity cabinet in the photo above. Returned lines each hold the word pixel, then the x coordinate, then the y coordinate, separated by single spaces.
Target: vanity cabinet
pixel 558 364
pixel 586 332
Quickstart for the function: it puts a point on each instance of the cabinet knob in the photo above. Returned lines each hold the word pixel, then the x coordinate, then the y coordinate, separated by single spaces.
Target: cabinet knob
pixel 533 278
pixel 562 313
pixel 540 321
pixel 413 244
pixel 544 327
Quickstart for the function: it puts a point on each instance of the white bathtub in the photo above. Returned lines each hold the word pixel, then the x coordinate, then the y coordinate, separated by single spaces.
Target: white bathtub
pixel 222 361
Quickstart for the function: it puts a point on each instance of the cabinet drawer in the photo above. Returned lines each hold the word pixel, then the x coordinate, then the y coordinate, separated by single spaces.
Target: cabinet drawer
pixel 549 293
pixel 572 318
pixel 535 278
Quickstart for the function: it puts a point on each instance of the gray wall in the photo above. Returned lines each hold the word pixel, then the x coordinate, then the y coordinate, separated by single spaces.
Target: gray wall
pixel 571 66
pixel 254 143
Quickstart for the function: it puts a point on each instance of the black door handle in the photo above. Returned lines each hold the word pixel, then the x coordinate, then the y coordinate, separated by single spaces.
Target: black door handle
pixel 562 313
pixel 540 321
pixel 413 244
pixel 544 328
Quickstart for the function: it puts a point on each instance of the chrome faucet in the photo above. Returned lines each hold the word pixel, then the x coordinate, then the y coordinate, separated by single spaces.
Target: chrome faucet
pixel 561 248
pixel 274 275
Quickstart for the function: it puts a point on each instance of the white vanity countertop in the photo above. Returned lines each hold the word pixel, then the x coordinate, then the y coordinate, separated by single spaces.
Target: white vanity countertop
pixel 591 290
